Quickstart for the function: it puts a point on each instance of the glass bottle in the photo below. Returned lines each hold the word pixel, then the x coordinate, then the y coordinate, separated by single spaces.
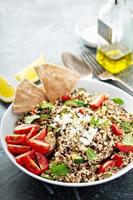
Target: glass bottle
pixel 115 31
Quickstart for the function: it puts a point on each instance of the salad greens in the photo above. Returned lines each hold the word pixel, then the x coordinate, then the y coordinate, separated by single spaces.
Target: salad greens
pixel 45 104
pixel 127 127
pixel 90 153
pixel 118 101
pixel 94 121
pixel 128 139
pixel 59 169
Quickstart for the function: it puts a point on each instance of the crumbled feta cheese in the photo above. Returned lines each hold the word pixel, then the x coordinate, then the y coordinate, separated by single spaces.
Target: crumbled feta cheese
pixel 86 118
pixel 84 141
pixel 88 136
pixel 65 119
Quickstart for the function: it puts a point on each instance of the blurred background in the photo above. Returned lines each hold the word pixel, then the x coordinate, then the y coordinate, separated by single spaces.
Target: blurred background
pixel 29 28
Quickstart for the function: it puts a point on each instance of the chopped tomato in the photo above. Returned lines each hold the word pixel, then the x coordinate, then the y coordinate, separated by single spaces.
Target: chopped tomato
pixel 116 130
pixel 21 158
pixel 39 146
pixel 81 111
pixel 42 161
pixel 17 149
pixel 65 97
pixel 123 147
pixel 15 139
pixel 98 102
pixel 24 128
pixel 105 166
pixel 32 166
pixel 118 160
pixel 41 135
pixel 33 132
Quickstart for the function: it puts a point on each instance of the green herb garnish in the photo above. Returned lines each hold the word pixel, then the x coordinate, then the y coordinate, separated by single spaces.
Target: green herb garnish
pixel 75 103
pixel 94 121
pixel 45 116
pixel 90 153
pixel 30 119
pixel 59 169
pixel 71 103
pixel 105 123
pixel 77 159
pixel 45 104
pixel 126 126
pixel 118 101
pixel 128 139
pixel 80 103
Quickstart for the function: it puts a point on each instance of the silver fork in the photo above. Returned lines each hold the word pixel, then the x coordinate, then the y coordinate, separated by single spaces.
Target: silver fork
pixel 101 73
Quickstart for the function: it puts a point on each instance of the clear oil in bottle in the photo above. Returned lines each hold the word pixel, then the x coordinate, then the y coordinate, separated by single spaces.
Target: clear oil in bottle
pixel 114 51
pixel 115 58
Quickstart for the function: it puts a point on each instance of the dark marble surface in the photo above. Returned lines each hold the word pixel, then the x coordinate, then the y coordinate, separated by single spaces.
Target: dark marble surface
pixel 29 28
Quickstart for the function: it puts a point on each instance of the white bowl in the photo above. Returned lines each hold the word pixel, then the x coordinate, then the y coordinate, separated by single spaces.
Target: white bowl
pixel 86 30
pixel 92 86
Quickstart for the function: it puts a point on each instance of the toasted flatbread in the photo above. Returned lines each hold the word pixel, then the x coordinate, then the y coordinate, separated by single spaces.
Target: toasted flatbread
pixel 27 96
pixel 56 80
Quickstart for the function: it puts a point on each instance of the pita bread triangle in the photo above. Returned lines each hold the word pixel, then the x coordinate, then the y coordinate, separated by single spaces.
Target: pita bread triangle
pixel 57 80
pixel 27 96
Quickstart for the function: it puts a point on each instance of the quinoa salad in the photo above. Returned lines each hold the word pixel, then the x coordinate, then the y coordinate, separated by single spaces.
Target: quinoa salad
pixel 88 137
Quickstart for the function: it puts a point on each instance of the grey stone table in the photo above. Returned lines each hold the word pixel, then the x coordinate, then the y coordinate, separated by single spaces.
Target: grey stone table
pixel 29 28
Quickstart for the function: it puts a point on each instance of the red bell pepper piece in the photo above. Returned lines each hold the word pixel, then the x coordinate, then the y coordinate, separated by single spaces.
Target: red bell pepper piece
pixel 123 147
pixel 65 97
pixel 81 111
pixel 98 101
pixel 118 160
pixel 105 166
pixel 116 130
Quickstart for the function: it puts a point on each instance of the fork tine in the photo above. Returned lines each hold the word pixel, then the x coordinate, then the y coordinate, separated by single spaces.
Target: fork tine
pixel 90 61
pixel 90 56
pixel 96 72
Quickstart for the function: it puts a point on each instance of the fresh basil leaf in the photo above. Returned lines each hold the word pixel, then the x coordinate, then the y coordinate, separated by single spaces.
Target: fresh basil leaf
pixel 94 121
pixel 118 101
pixel 91 155
pixel 128 139
pixel 30 119
pixel 126 126
pixel 45 104
pixel 59 169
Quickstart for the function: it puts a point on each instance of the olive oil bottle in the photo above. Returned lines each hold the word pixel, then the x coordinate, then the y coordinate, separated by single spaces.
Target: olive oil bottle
pixel 115 41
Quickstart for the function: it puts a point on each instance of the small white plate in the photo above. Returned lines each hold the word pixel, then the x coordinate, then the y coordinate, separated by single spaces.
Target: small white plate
pixel 86 30
pixel 92 86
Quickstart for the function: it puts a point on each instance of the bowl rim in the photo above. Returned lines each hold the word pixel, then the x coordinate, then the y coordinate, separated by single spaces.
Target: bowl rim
pixel 65 184
pixel 78 31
